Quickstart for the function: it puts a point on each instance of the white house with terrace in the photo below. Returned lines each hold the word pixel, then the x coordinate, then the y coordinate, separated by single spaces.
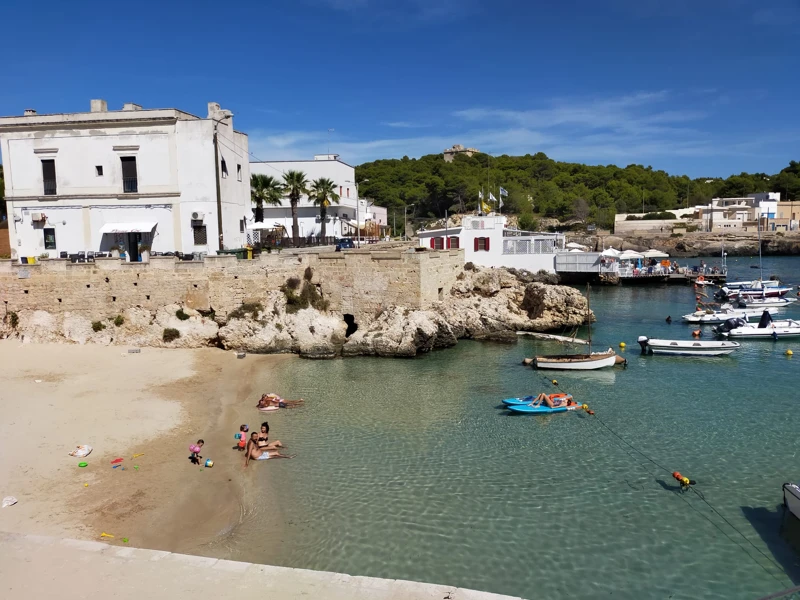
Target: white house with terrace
pixel 344 219
pixel 489 243
pixel 157 180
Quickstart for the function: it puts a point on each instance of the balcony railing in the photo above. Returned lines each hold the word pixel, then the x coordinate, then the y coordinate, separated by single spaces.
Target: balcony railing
pixel 50 187
pixel 130 185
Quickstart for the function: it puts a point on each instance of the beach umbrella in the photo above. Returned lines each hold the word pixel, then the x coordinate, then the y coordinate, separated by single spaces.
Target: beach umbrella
pixel 630 255
pixel 577 246
pixel 610 252
pixel 653 253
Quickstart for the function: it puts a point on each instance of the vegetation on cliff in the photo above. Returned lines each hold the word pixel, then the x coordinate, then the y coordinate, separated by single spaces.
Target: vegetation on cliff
pixel 538 185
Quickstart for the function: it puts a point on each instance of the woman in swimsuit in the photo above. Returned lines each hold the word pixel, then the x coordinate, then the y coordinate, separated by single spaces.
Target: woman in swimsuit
pixel 263 439
pixel 254 453
pixel 268 401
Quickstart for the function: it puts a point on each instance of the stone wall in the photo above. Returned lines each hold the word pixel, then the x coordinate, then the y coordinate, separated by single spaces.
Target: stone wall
pixel 360 283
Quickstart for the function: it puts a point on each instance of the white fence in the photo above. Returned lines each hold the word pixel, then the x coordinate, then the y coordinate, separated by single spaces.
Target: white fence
pixel 517 245
pixel 584 262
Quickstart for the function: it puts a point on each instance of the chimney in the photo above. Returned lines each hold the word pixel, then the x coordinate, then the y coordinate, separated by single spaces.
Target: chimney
pixel 29 112
pixel 99 106
pixel 131 106
pixel 213 109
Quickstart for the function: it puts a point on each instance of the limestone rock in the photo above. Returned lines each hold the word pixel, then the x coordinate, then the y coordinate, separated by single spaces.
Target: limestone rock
pixel 399 331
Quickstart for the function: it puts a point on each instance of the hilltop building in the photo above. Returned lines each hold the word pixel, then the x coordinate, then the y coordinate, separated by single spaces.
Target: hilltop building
pixel 155 180
pixel 450 153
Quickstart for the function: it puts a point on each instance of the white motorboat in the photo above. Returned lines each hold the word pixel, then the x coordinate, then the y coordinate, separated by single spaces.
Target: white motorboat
pixel 771 330
pixel 791 498
pixel 757 290
pixel 726 311
pixel 769 283
pixel 777 303
pixel 577 362
pixel 687 347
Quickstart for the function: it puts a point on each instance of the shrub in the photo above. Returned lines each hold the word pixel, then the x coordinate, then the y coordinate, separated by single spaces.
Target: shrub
pixel 98 326
pixel 181 315
pixel 279 326
pixel 247 308
pixel 170 334
pixel 308 274
pixel 676 235
pixel 119 320
pixel 13 319
pixel 293 283
pixel 526 222
pixel 308 296
pixel 469 266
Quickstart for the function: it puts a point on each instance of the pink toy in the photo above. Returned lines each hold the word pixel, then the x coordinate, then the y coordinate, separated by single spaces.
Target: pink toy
pixel 194 448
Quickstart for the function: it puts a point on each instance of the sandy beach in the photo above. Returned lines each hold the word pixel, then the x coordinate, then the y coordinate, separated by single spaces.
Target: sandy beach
pixel 157 402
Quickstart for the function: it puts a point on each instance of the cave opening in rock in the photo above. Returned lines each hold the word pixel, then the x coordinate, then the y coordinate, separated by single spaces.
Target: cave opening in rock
pixel 352 326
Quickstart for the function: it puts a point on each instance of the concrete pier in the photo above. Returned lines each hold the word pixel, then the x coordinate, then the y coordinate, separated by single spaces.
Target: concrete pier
pixel 43 567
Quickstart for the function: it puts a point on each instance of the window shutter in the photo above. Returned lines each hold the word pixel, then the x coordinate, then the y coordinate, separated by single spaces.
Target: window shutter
pixel 433 243
pixel 448 243
pixel 487 243
pixel 476 243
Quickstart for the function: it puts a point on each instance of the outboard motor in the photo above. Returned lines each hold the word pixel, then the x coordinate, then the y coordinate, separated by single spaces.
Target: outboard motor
pixel 722 293
pixel 643 339
pixel 765 320
pixel 728 325
pixel 740 302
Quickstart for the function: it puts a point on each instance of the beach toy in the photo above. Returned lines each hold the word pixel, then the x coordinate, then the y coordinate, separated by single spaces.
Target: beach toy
pixel 115 466
pixel 85 485
pixel 209 463
pixel 81 451
pixel 136 467
pixel 104 534
pixel 117 460
pixel 9 501
pixel 125 540
pixel 138 455
pixel 194 448
pixel 622 344
pixel 83 464
pixel 555 382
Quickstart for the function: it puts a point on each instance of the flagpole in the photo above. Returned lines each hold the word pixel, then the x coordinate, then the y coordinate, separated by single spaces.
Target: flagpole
pixel 499 201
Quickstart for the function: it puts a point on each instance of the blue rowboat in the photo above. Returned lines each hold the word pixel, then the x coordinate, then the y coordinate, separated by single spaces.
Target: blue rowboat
pixel 540 409
pixel 515 401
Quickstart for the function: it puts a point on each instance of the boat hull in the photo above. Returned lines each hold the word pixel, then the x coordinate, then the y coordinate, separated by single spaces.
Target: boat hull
pixel 540 410
pixel 687 348
pixel 582 362
pixel 720 317
pixel 791 498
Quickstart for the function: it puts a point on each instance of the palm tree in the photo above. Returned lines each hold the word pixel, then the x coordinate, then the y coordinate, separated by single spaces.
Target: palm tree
pixel 294 183
pixel 264 189
pixel 323 194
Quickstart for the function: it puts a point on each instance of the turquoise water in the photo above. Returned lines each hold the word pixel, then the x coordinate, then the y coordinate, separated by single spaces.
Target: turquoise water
pixel 408 469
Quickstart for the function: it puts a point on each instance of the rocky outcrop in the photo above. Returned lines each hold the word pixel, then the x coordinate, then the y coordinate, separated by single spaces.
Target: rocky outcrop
pixel 484 304
pixel 701 244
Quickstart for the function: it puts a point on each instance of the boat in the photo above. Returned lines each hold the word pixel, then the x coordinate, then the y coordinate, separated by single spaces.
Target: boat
pixel 726 311
pixel 769 283
pixel 579 362
pixel 531 399
pixel 772 303
pixel 765 328
pixel 687 347
pixel 759 289
pixel 791 498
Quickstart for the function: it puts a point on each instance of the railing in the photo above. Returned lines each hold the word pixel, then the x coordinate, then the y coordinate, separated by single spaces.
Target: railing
pixel 50 187
pixel 529 246
pixel 130 185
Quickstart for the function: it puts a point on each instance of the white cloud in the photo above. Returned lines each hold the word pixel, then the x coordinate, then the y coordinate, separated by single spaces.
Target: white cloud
pixel 404 124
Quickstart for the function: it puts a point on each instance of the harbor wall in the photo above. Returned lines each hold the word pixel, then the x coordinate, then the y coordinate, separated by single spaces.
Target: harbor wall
pixel 360 283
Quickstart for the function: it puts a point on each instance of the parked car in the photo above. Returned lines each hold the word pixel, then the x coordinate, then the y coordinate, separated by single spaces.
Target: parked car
pixel 344 244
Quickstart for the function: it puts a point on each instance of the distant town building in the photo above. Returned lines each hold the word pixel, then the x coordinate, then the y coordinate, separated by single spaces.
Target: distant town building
pixel 130 180
pixel 343 219
pixel 450 153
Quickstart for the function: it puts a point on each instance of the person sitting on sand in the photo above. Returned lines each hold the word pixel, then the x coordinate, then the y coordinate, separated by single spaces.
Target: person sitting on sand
pixel 255 453
pixel 263 439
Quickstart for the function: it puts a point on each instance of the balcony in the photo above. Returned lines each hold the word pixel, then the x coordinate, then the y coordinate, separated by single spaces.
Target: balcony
pixel 50 188
pixel 130 185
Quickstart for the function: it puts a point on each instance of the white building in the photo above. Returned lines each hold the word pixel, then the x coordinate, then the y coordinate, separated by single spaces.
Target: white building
pixel 342 218
pixel 487 242
pixel 130 178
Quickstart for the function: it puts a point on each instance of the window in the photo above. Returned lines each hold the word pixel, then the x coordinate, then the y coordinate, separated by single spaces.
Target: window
pixel 49 177
pixel 239 172
pixel 224 168
pixel 453 242
pixel 348 192
pixel 199 232
pixel 437 243
pixel 130 180
pixel 98 170
pixel 241 225
pixel 482 244
pixel 49 238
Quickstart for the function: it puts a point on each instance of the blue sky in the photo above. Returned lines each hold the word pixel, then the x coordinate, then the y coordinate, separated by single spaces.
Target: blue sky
pixel 704 87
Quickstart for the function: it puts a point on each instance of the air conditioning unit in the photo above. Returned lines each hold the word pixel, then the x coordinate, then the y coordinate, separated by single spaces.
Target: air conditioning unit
pixel 197 216
pixel 37 216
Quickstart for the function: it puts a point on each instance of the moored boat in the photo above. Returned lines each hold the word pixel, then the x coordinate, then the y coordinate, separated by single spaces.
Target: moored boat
pixel 791 498
pixel 686 347
pixel 766 302
pixel 710 317
pixel 576 362
pixel 772 330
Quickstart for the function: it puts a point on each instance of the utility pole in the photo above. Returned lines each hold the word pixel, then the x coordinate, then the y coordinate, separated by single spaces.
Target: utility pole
pixel 405 220
pixel 394 221
pixel 217 167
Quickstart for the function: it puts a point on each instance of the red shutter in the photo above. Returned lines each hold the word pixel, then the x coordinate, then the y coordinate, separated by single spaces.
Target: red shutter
pixel 487 243
pixel 433 243
pixel 448 243
pixel 476 244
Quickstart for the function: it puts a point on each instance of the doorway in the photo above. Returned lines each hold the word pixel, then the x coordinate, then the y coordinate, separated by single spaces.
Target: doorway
pixel 133 240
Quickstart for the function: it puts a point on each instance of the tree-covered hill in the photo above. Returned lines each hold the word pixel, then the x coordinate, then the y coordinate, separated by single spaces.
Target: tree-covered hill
pixel 540 185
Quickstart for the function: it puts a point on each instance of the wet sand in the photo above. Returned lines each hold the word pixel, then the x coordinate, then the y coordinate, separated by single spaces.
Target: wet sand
pixel 157 403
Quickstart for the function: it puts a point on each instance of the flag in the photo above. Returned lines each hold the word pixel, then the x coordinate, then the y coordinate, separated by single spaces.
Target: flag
pixel 503 192
pixel 480 195
pixel 500 205
pixel 485 208
pixel 492 198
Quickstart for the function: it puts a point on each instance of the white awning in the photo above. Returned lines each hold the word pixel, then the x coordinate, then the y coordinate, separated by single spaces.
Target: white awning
pixel 127 227
pixel 630 255
pixel 257 226
pixel 653 253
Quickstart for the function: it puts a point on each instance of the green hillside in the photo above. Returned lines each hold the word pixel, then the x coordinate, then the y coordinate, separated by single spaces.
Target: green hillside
pixel 538 185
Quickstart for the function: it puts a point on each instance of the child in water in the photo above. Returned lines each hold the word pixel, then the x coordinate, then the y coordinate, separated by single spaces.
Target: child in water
pixel 195 450
pixel 241 438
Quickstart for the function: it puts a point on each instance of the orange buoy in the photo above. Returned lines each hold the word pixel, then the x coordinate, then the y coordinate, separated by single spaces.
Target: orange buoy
pixel 697 333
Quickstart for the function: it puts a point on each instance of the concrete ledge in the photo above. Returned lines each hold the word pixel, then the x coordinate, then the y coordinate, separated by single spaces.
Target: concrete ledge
pixel 40 567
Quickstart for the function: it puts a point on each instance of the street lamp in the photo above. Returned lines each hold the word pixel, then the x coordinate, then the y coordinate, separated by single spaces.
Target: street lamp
pixel 358 202
pixel 405 220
